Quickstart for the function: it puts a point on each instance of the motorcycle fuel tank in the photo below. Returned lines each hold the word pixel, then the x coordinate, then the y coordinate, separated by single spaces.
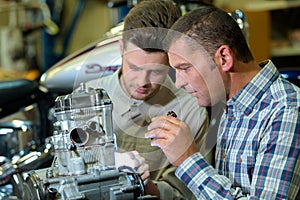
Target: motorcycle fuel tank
pixel 94 61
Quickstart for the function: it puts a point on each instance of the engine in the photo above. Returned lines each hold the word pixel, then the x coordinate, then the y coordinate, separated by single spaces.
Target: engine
pixel 83 165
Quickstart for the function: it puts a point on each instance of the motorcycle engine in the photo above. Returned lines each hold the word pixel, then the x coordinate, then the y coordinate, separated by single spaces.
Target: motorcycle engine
pixel 83 165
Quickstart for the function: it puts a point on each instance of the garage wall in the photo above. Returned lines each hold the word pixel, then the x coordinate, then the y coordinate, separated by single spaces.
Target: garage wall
pixel 94 22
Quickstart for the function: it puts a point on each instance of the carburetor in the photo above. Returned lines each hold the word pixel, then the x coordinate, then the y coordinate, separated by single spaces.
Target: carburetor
pixel 83 165
pixel 84 136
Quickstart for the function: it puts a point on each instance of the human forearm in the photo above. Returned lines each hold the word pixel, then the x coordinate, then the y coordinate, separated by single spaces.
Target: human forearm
pixel 203 181
pixel 268 182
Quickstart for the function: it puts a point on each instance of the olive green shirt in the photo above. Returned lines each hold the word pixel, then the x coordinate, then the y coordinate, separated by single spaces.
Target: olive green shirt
pixel 131 118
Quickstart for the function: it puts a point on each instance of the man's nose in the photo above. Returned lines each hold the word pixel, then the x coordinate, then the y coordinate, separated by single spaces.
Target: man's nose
pixel 180 81
pixel 143 78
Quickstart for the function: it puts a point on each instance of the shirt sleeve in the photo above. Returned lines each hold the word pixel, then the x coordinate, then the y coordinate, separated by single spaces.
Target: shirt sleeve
pixel 170 187
pixel 277 155
pixel 202 179
pixel 275 174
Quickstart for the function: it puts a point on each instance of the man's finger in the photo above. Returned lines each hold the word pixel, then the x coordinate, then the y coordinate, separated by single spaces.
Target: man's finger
pixel 143 168
pixel 156 133
pixel 162 122
pixel 145 175
pixel 161 143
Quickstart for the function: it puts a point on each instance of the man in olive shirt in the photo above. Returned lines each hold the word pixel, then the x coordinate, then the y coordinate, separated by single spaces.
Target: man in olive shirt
pixel 142 89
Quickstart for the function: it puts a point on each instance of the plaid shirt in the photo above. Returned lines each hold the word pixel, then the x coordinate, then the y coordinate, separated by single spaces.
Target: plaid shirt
pixel 257 145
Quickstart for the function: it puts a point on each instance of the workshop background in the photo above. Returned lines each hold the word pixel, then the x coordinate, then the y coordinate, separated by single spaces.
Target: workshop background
pixel 36 34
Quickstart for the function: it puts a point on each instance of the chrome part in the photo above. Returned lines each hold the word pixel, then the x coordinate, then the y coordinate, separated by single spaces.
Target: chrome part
pixel 84 130
pixel 19 132
pixel 83 165
pixel 98 184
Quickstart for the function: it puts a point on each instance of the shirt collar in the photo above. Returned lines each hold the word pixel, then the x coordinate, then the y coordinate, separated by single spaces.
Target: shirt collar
pixel 122 102
pixel 254 90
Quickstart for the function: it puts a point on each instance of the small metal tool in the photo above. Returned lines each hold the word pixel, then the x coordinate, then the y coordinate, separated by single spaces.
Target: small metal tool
pixel 172 113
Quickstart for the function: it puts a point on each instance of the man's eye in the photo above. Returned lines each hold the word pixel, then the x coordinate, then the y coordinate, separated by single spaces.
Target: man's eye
pixel 157 71
pixel 134 68
pixel 185 69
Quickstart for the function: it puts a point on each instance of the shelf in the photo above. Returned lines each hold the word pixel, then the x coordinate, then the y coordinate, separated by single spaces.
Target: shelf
pixel 285 51
pixel 257 5
pixel 259 14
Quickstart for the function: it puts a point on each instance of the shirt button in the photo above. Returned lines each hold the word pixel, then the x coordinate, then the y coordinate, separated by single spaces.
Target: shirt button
pixel 233 118
pixel 240 159
pixel 224 155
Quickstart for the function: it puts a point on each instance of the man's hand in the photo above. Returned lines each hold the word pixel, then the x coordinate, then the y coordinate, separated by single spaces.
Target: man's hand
pixel 133 160
pixel 173 137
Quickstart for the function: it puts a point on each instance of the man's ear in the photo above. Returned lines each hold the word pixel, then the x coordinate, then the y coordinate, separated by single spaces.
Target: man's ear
pixel 224 56
pixel 121 46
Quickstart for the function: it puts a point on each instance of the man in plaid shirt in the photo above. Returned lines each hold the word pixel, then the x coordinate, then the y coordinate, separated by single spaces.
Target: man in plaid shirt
pixel 258 137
